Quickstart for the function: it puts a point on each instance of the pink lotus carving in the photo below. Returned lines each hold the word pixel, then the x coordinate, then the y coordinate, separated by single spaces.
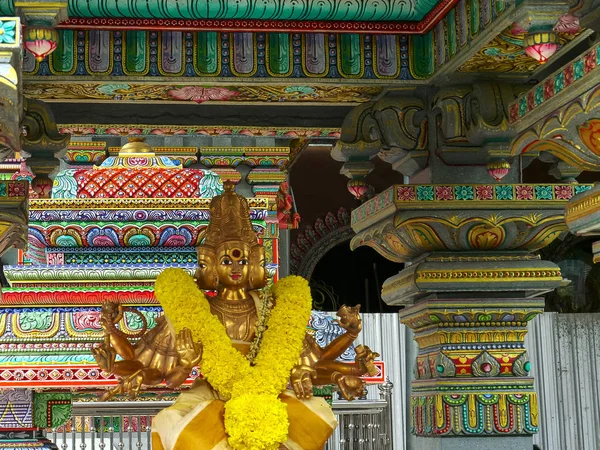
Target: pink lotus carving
pixel 201 94
pixel 77 131
pixel 567 24
pixel 167 131
pixel 123 131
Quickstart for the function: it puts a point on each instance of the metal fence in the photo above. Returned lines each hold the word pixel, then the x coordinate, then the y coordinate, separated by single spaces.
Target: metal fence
pixel 363 425
pixel 565 355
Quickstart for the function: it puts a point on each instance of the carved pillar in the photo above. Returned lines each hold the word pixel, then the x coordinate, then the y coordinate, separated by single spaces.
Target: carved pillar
pixel 471 287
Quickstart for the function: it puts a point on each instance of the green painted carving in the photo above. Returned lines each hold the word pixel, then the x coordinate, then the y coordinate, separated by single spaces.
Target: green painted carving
pixel 207 52
pixel 7 8
pixel 451 21
pixel 500 6
pixel 135 48
pixel 134 321
pixel 63 58
pixel 38 320
pixel 474 11
pixel 350 50
pixel 279 53
pixel 51 409
pixel 368 10
pixel 421 55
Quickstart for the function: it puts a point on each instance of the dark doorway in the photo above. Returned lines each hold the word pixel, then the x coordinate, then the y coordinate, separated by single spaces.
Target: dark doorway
pixel 345 277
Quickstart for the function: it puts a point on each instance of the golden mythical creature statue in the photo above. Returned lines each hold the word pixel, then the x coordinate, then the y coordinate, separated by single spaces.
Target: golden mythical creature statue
pixel 230 262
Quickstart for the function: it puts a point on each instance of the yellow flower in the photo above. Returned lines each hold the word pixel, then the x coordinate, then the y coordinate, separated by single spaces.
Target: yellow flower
pixel 255 419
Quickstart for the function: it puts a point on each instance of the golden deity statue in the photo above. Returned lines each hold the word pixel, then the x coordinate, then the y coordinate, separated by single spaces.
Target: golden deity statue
pixel 231 262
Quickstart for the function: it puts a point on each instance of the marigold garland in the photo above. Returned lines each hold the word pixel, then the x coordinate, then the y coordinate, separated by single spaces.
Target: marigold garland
pixel 255 419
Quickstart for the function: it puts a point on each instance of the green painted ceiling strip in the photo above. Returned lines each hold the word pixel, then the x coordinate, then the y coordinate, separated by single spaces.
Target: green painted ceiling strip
pixel 207 52
pixel 63 58
pixel 363 10
pixel 451 23
pixel 279 53
pixel 136 49
pixel 474 8
pixel 350 54
pixel 421 55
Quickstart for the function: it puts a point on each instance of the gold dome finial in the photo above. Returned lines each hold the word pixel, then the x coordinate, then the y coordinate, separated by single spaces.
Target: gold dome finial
pixel 136 145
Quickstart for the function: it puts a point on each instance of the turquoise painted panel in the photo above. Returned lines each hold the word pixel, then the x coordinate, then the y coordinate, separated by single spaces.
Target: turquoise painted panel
pixel 350 56
pixel 207 52
pixel 363 10
pixel 136 51
pixel 63 58
pixel 279 53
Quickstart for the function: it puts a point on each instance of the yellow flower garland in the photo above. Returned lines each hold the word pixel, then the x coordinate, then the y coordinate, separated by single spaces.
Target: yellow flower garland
pixel 255 419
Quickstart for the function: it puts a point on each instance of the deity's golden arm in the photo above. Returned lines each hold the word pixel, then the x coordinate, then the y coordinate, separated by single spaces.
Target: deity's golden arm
pixel 157 356
pixel 319 366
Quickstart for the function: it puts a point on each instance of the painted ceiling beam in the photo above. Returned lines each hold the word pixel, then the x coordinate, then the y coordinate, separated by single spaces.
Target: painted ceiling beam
pixel 353 10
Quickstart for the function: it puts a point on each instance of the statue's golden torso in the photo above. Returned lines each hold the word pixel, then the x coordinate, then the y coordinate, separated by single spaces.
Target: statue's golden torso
pixel 239 317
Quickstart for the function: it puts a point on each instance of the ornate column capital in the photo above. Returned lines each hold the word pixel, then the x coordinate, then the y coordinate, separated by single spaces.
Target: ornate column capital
pixel 406 222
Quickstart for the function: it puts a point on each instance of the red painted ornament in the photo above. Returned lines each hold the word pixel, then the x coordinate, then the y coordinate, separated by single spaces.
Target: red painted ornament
pixel 498 169
pixel 41 42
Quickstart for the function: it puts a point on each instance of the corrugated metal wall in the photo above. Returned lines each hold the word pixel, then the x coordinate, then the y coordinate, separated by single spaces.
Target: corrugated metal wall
pixel 384 334
pixel 565 353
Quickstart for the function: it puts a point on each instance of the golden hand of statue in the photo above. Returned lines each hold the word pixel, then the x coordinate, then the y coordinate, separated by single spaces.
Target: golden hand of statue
pixel 302 380
pixel 350 386
pixel 190 352
pixel 105 356
pixel 349 319
pixel 364 360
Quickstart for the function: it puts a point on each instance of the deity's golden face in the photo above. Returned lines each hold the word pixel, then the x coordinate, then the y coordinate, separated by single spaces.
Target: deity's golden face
pixel 206 274
pixel 233 264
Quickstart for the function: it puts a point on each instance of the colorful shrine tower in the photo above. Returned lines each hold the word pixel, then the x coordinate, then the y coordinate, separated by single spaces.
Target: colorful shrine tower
pixel 105 235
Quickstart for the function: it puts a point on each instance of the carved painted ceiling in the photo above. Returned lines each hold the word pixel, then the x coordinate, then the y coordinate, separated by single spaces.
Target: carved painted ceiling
pixel 413 16
pixel 273 52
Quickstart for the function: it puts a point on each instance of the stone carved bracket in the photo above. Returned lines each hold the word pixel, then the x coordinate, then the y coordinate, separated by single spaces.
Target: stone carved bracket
pixel 41 133
pixel 471 118
pixel 571 134
pixel 394 128
pixel 41 139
